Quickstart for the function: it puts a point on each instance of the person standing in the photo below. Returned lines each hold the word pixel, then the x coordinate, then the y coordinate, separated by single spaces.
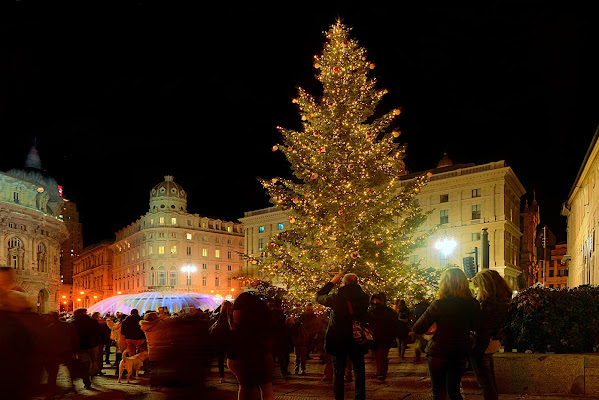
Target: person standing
pixel 220 333
pixel 88 332
pixel 404 328
pixel 310 322
pixel 419 341
pixel 135 337
pixel 339 340
pixel 451 316
pixel 120 342
pixel 384 323
pixel 64 345
pixel 494 296
pixel 250 351
pixel 299 339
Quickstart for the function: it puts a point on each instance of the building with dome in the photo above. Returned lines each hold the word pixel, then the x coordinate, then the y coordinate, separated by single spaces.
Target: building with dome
pixel 32 231
pixel 150 254
pixel 463 200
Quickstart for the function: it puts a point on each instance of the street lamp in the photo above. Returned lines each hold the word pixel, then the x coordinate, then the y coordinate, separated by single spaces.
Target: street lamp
pixel 189 269
pixel 446 246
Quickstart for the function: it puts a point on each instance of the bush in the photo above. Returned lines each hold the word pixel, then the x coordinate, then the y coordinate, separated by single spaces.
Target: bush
pixel 554 320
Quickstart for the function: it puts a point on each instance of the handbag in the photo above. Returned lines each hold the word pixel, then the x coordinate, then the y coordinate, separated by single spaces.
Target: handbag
pixel 361 331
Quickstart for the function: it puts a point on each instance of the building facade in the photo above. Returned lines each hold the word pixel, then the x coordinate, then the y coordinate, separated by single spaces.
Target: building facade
pixel 92 276
pixel 582 212
pixel 463 199
pixel 530 219
pixel 32 231
pixel 73 246
pixel 556 269
pixel 149 254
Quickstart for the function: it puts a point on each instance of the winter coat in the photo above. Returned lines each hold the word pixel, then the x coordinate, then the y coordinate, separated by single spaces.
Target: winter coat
pixel 158 337
pixel 131 329
pixel 455 318
pixel 384 323
pixel 299 335
pixel 311 323
pixel 339 337
pixel 220 335
pixel 64 341
pixel 492 318
pixel 281 339
pixel 119 340
pixel 88 331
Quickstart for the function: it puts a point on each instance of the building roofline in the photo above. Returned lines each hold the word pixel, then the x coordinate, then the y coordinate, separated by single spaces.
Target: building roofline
pixel 584 162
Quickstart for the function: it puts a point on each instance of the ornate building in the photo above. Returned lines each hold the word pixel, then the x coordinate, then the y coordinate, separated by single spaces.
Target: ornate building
pixel 149 254
pixel 32 231
pixel 92 276
pixel 464 199
pixel 582 212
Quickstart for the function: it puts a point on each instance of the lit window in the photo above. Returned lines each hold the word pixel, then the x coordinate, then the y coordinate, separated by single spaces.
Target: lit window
pixel 444 217
pixel 173 221
pixel 229 229
pixel 150 250
pixel 260 229
pixel 161 220
pixel 189 236
pixel 476 211
pixel 476 193
pixel 160 249
pixel 217 253
pixel 173 249
pixel 280 226
pixel 204 252
pixel 151 221
pixel 217 267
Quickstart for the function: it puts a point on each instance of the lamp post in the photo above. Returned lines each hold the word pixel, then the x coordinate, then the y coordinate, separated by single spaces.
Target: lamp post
pixel 189 269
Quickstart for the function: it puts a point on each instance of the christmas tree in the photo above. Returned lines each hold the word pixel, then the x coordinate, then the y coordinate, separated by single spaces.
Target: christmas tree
pixel 346 205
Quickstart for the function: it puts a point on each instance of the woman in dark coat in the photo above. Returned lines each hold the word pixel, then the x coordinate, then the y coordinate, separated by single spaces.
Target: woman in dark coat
pixel 220 333
pixel 454 313
pixel 250 351
pixel 494 296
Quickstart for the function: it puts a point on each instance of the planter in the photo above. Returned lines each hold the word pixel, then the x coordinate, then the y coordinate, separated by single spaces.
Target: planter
pixel 519 373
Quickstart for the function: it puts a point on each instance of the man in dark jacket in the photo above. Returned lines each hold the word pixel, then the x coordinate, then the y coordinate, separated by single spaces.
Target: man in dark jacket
pixel 421 342
pixel 134 335
pixel 88 332
pixel 384 323
pixel 339 340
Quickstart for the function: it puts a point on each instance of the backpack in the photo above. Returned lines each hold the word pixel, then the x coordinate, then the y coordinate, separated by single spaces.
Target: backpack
pixel 361 331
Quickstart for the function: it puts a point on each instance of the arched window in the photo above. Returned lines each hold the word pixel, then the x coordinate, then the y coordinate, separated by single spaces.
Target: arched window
pixel 42 261
pixel 172 276
pixel 16 253
pixel 161 276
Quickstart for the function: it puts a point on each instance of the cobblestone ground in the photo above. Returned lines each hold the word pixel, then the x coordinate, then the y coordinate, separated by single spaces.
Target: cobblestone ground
pixel 406 381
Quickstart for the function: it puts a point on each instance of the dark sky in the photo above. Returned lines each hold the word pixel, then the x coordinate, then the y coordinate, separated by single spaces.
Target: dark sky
pixel 120 95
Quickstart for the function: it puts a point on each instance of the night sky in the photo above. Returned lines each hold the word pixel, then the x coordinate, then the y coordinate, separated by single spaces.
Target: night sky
pixel 120 95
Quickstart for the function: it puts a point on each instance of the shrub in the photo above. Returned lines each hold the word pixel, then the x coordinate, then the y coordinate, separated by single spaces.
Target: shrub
pixel 554 320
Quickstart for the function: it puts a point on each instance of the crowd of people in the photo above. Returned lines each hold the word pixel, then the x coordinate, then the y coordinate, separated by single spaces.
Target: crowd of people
pixel 253 337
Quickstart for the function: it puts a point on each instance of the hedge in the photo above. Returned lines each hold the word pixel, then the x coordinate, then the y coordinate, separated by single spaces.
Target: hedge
pixel 554 320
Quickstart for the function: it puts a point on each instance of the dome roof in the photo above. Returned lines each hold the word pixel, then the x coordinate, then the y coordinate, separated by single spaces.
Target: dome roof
pixel 175 302
pixel 168 188
pixel 445 162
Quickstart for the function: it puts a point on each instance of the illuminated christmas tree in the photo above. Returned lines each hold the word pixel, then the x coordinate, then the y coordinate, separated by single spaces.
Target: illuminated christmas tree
pixel 347 207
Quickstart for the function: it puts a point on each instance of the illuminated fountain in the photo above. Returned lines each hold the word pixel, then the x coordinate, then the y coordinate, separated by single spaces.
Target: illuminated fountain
pixel 174 302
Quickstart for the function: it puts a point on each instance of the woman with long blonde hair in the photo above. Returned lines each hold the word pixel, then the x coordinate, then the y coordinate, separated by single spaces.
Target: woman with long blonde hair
pixel 452 316
pixel 494 296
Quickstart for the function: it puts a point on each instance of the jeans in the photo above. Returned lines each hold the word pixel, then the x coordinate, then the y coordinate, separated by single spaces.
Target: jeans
pixel 301 352
pixel 446 375
pixel 485 375
pixel 339 363
pixel 381 356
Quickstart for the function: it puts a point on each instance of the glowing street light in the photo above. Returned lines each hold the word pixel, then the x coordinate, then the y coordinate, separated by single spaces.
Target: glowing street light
pixel 446 246
pixel 189 269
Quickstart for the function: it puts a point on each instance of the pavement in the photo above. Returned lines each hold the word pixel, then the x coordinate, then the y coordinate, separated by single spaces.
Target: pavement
pixel 406 380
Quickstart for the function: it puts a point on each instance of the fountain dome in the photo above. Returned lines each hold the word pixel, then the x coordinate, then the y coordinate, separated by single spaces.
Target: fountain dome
pixel 174 302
